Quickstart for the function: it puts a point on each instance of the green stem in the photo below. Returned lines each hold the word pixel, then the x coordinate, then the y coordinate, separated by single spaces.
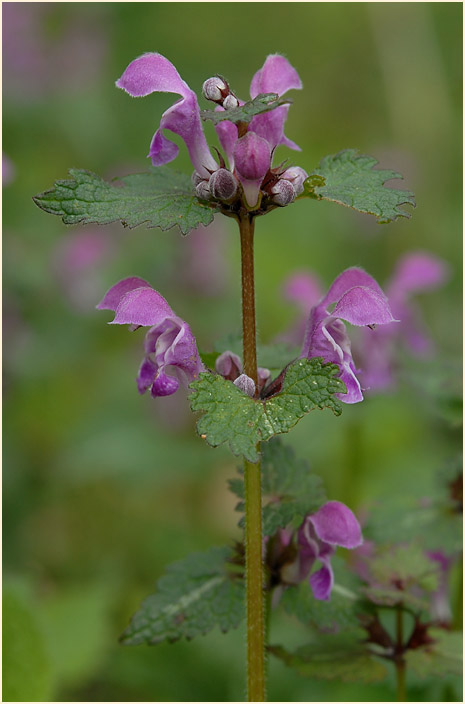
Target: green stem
pixel 252 482
pixel 400 661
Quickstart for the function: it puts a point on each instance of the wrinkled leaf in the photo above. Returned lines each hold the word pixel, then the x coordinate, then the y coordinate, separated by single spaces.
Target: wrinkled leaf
pixel 194 595
pixel 160 198
pixel 232 417
pixel 348 178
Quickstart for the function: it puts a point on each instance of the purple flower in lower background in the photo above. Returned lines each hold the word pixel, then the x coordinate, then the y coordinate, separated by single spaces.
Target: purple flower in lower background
pixel 358 300
pixel 332 525
pixel 415 272
pixel 170 349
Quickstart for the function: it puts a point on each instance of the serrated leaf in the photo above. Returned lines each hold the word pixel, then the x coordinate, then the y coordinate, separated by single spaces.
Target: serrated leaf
pixel 351 180
pixel 342 656
pixel 194 595
pixel 442 657
pixel 264 102
pixel 160 198
pixel 289 488
pixel 232 417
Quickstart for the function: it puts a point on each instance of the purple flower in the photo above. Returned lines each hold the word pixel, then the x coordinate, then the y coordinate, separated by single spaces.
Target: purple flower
pixel 153 73
pixel 358 300
pixel 332 525
pixel 170 348
pixel 249 155
pixel 415 272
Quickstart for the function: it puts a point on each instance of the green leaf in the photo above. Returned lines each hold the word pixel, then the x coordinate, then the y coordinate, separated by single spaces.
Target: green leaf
pixel 230 416
pixel 288 485
pixel 341 656
pixel 339 613
pixel 405 566
pixel 349 179
pixel 264 102
pixel 194 595
pixel 160 198
pixel 442 657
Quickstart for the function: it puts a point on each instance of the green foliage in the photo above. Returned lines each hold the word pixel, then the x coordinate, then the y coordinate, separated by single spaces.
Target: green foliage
pixel 341 656
pixel 232 417
pixel 288 485
pixel 442 657
pixel 160 198
pixel 339 613
pixel 194 595
pixel 264 102
pixel 405 565
pixel 26 665
pixel 348 178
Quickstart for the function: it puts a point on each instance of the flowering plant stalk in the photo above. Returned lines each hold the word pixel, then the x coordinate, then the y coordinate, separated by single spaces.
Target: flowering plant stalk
pixel 291 528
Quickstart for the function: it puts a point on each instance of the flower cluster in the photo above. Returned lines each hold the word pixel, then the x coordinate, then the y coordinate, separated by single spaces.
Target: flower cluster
pixel 249 150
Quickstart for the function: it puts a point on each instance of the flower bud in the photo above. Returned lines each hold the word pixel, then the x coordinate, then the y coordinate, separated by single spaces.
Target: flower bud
pixel 197 178
pixel 202 191
pixel 213 89
pixel 223 185
pixel 230 102
pixel 245 384
pixel 283 192
pixel 296 176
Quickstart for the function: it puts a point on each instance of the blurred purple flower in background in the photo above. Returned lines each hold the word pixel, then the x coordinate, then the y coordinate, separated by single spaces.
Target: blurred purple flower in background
pixel 170 348
pixel 36 63
pixel 249 155
pixel 358 300
pixel 415 272
pixel 8 170
pixel 77 265
pixel 375 349
pixel 201 266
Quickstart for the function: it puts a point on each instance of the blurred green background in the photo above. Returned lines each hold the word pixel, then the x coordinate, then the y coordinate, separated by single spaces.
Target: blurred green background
pixel 104 488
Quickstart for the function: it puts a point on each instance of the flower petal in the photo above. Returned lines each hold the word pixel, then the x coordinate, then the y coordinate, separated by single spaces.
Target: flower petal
pixel 334 523
pixel 347 280
pixel 113 296
pixel 142 306
pixel 322 582
pixel 147 373
pixel 276 76
pixel 164 385
pixel 362 305
pixel 154 73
